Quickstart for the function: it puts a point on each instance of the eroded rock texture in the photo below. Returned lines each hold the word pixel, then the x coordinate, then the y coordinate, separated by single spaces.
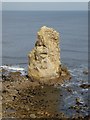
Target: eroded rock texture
pixel 44 59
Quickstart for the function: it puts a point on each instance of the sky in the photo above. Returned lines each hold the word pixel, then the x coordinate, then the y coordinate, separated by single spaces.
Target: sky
pixel 45 5
pixel 45 0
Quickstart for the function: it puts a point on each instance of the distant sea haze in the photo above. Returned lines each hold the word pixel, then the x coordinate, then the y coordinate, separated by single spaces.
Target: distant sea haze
pixel 20 33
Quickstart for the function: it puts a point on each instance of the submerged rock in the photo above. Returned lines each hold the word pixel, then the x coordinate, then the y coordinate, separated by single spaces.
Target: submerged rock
pixel 85 86
pixel 85 72
pixel 44 59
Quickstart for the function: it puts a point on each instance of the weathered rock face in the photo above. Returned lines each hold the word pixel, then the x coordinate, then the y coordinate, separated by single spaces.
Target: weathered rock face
pixel 44 59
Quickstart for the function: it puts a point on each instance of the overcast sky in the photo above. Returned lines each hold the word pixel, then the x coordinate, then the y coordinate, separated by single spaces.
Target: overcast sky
pixel 45 5
pixel 45 0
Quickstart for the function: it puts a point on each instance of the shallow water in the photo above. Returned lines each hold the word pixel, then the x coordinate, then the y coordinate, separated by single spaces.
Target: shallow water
pixel 69 99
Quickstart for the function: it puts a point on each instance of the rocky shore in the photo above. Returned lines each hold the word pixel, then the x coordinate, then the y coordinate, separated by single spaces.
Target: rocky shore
pixel 26 99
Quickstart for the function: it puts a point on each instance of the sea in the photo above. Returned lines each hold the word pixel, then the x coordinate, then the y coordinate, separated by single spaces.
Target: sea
pixel 19 33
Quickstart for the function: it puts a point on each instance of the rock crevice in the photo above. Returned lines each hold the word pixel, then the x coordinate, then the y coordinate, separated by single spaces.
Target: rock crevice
pixel 44 59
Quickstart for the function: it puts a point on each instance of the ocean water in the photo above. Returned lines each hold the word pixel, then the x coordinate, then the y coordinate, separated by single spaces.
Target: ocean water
pixel 19 31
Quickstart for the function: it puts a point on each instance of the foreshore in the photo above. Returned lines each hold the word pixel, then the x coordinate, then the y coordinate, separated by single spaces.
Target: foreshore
pixel 25 98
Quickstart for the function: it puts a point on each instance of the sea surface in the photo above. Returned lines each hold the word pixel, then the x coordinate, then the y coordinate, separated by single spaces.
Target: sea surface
pixel 19 33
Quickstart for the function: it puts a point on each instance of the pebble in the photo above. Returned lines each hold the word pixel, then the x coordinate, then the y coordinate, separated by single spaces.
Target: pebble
pixel 33 116
pixel 42 87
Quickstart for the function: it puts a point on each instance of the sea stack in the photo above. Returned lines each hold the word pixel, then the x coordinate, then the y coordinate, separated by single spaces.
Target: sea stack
pixel 44 59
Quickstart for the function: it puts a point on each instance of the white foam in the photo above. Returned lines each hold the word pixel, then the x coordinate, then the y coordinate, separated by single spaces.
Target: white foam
pixel 84 90
pixel 15 68
pixel 73 96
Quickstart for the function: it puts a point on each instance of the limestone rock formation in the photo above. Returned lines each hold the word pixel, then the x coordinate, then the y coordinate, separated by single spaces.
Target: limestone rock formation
pixel 44 59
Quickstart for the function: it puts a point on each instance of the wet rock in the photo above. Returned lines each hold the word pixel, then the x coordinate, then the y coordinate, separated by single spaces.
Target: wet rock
pixel 75 107
pixel 64 70
pixel 3 71
pixel 69 89
pixel 85 72
pixel 85 86
pixel 78 117
pixel 78 101
pixel 15 73
pixel 44 59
